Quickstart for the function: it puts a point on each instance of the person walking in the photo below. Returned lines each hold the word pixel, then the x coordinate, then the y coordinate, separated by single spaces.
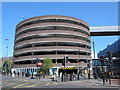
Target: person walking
pixel 22 74
pixel 74 76
pixel 18 74
pixel 13 74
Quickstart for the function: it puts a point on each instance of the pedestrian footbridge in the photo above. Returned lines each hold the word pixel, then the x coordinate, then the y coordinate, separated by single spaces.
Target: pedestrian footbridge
pixel 104 30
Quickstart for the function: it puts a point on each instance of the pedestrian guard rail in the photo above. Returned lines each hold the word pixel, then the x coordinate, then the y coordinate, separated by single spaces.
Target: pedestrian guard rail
pixel 70 68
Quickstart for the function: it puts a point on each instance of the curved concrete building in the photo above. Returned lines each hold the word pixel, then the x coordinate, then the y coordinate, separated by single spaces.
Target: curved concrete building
pixel 52 36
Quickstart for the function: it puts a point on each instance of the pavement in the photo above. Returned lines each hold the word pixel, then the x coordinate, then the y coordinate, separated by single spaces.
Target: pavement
pixel 27 82
pixel 93 83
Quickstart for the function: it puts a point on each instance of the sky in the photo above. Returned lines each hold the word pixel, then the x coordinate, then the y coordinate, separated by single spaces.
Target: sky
pixel 94 13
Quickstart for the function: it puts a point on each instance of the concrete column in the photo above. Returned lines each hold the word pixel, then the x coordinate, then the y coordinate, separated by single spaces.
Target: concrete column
pixel 56 51
pixel 33 45
pixel 56 56
pixel 32 53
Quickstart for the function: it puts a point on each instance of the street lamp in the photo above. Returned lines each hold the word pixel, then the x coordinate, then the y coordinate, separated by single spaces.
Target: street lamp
pixel 88 65
pixel 94 58
pixel 79 65
pixel 103 72
pixel 79 57
pixel 6 47
pixel 93 49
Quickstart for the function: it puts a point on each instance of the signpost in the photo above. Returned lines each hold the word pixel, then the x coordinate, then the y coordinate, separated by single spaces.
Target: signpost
pixel 102 63
pixel 38 64
pixel 64 62
pixel 107 74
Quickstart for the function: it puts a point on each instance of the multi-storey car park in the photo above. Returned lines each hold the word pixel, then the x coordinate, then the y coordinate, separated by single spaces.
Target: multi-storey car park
pixel 52 36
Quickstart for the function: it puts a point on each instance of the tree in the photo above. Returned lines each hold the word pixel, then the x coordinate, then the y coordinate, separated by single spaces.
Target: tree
pixel 47 64
pixel 7 64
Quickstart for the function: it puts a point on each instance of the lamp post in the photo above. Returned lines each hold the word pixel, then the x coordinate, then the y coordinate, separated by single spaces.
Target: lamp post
pixel 6 47
pixel 93 49
pixel 88 65
pixel 79 65
pixel 94 58
pixel 37 60
pixel 103 72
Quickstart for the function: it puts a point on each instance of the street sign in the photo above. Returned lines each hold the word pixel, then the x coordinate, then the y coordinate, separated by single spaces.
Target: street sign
pixel 39 63
pixel 101 60
pixel 102 57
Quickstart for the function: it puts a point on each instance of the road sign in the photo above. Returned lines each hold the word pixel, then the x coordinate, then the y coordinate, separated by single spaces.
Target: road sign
pixel 39 63
pixel 102 59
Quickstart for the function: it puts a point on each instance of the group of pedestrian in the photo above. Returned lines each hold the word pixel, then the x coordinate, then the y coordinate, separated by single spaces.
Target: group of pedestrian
pixel 14 73
pixel 8 72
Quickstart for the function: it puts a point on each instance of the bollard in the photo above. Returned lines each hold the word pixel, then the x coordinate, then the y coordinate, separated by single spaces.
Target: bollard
pixel 39 76
pixel 62 77
pixel 78 76
pixel 109 75
pixel 88 75
pixel 103 79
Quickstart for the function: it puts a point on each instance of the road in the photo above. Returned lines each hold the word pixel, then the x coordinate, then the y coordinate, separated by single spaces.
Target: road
pixel 23 82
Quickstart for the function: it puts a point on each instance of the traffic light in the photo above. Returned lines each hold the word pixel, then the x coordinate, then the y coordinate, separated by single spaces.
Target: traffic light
pixel 65 61
pixel 102 60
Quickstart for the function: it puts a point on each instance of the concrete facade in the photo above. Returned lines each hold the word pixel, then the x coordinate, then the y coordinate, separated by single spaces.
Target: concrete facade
pixel 52 36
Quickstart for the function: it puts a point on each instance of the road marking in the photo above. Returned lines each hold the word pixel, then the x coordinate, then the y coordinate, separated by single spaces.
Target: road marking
pixel 40 84
pixel 50 84
pixel 34 84
pixel 7 84
pixel 22 84
pixel 47 84
pixel 11 80
pixel 25 80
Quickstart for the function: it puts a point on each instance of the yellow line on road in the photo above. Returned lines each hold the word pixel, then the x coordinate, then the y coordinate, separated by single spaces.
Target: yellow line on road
pixel 40 84
pixel 22 84
pixel 47 84
pixel 34 84
pixel 52 83
pixel 7 84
